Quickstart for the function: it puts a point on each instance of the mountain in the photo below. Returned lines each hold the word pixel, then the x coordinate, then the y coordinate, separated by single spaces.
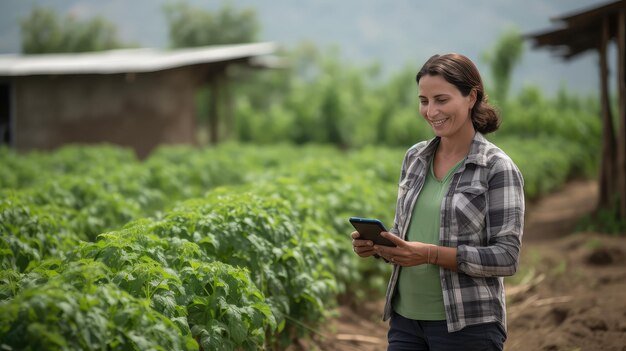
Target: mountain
pixel 393 33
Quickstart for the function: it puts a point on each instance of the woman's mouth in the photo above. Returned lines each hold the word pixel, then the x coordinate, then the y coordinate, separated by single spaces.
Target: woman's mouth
pixel 438 123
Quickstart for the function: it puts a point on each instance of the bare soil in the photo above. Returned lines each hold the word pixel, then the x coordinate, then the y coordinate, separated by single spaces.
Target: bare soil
pixel 569 293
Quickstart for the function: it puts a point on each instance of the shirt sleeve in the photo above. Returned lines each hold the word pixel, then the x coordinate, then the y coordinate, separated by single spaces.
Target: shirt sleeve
pixel 504 226
pixel 395 229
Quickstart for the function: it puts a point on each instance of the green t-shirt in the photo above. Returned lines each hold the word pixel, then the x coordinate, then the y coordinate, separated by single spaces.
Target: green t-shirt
pixel 419 295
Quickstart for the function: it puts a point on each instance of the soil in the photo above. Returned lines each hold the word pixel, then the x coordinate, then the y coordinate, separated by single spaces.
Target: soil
pixel 568 294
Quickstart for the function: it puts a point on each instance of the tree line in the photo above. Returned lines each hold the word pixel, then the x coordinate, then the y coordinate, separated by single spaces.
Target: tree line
pixel 319 97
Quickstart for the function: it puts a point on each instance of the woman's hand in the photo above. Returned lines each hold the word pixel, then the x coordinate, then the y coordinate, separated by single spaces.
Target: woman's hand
pixel 363 248
pixel 406 253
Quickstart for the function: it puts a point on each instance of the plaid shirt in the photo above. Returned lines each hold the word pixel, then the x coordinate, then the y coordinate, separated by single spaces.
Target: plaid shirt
pixel 482 216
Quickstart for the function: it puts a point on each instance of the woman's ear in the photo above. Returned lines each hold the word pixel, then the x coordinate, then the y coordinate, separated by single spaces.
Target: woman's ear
pixel 472 98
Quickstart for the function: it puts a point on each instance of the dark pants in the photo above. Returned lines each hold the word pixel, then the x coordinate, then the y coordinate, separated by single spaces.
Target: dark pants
pixel 408 334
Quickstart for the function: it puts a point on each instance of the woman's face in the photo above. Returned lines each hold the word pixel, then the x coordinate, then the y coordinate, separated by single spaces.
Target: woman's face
pixel 444 107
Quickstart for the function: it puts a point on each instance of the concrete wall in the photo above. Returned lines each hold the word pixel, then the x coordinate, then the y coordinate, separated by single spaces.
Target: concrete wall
pixel 139 110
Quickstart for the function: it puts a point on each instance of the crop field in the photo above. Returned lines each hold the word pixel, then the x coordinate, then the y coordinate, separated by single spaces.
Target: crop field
pixel 232 247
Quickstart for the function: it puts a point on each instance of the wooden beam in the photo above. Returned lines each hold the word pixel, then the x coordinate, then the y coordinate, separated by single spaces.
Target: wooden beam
pixel 227 107
pixel 214 92
pixel 621 136
pixel 607 183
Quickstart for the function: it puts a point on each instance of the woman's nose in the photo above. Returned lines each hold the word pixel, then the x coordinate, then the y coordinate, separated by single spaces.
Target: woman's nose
pixel 431 111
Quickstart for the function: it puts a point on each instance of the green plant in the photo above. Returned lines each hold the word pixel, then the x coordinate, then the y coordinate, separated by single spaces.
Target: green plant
pixel 43 32
pixel 82 310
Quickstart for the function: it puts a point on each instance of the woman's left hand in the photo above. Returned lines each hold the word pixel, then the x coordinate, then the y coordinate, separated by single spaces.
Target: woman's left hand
pixel 406 253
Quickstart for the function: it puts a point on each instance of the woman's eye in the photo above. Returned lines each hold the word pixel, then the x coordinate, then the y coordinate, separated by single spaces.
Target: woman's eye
pixel 442 101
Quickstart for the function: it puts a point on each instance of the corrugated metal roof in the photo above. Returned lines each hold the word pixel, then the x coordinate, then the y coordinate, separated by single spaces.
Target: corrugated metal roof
pixel 126 60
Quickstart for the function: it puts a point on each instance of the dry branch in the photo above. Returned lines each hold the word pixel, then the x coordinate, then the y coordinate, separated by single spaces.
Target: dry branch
pixel 359 338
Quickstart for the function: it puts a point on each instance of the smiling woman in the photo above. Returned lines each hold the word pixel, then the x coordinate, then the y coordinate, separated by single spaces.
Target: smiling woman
pixel 458 223
pixel 452 101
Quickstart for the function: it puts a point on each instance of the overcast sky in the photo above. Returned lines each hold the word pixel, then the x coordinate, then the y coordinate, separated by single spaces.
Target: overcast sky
pixel 392 32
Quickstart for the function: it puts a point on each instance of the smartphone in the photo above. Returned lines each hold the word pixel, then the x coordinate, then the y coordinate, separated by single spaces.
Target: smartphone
pixel 370 229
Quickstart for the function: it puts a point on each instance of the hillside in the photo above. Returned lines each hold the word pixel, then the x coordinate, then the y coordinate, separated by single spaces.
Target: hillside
pixel 364 32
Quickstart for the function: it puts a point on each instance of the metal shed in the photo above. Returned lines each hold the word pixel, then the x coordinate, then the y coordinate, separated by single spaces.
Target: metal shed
pixel 138 98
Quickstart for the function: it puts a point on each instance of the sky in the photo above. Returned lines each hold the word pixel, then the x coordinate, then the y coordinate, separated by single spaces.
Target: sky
pixel 393 33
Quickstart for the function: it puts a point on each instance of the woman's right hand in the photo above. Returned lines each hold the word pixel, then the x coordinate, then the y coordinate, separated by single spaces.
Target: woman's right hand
pixel 363 248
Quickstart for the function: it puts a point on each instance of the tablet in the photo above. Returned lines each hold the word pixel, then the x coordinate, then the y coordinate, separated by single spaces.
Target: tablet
pixel 370 229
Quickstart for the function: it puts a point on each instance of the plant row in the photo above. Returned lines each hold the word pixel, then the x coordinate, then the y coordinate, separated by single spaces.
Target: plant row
pixel 249 265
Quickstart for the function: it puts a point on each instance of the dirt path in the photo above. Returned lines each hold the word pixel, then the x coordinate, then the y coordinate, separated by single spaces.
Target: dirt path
pixel 567 295
pixel 572 296
pixel 556 215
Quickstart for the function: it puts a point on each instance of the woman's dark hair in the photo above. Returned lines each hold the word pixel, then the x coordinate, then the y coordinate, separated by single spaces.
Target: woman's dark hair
pixel 461 72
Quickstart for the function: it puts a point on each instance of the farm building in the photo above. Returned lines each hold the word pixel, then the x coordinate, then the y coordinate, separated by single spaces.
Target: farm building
pixel 139 98
pixel 594 29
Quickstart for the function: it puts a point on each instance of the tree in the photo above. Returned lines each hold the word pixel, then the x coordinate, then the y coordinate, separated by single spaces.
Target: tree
pixel 506 53
pixel 43 32
pixel 190 26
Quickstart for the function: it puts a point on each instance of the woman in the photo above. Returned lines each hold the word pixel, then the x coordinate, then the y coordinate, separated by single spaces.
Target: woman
pixel 458 224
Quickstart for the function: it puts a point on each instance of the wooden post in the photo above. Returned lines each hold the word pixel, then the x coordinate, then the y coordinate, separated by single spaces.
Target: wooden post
pixel 216 106
pixel 621 136
pixel 214 88
pixel 607 184
pixel 227 103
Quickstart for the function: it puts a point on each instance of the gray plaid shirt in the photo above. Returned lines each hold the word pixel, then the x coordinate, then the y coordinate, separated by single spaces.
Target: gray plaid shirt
pixel 482 216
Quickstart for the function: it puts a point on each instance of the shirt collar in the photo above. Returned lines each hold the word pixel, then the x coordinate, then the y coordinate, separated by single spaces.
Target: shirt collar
pixel 476 153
